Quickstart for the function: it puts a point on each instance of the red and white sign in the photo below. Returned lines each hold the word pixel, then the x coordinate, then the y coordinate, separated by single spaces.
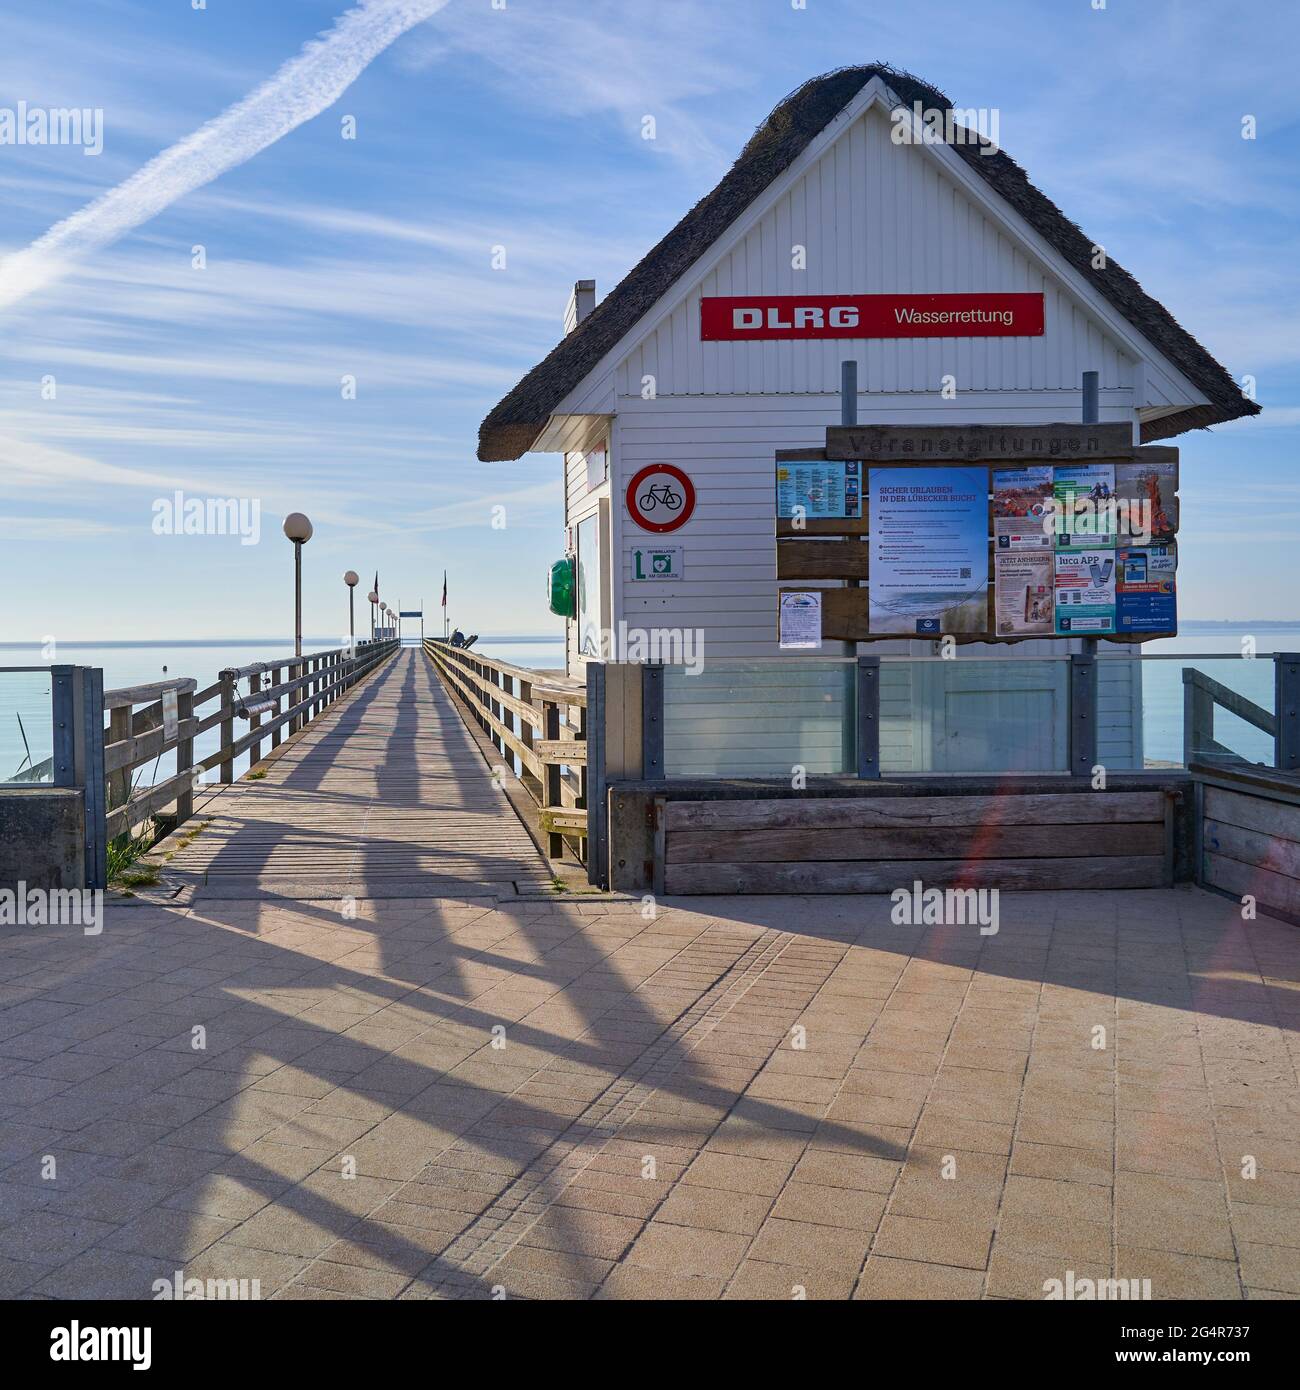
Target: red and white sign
pixel 660 498
pixel 738 318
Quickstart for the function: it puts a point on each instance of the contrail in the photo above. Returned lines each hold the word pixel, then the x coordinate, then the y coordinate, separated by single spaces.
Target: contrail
pixel 302 88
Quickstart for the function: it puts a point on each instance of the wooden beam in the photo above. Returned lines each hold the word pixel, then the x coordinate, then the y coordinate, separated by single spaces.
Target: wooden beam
pixel 822 526
pixel 1137 871
pixel 970 844
pixel 892 812
pixel 813 559
pixel 924 444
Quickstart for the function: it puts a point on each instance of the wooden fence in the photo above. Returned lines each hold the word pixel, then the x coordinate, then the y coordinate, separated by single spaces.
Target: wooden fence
pixel 538 720
pixel 146 721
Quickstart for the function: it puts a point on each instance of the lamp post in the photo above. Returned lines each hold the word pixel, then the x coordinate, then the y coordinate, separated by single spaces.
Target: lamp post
pixel 373 599
pixel 352 579
pixel 298 529
pixel 383 608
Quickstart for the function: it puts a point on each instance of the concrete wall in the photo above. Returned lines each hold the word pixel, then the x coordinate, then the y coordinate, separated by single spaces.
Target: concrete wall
pixel 42 837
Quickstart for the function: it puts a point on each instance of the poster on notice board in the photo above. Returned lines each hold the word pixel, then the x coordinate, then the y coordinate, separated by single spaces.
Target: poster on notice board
pixel 800 622
pixel 1084 496
pixel 929 561
pixel 819 488
pixel 1146 498
pixel 1022 508
pixel 1085 592
pixel 1023 594
pixel 1146 590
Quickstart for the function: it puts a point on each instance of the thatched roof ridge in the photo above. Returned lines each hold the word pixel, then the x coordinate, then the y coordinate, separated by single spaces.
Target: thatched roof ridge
pixel 513 425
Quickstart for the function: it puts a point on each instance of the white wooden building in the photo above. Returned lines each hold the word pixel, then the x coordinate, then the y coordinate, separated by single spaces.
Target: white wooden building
pixel 827 200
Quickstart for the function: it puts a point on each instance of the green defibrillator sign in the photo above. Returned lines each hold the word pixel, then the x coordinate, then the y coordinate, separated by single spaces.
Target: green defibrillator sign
pixel 656 562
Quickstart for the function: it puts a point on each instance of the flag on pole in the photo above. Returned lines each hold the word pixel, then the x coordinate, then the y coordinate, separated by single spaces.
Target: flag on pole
pixel 444 588
pixel 376 588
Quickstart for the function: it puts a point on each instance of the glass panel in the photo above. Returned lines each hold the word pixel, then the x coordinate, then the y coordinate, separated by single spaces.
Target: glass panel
pixel 974 716
pixel 26 727
pixel 1206 708
pixel 589 643
pixel 760 719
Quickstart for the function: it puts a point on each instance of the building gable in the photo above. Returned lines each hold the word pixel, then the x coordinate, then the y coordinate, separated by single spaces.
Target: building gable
pixel 805 127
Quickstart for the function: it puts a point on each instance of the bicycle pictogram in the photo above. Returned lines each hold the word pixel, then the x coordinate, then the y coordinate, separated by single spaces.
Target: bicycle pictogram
pixel 655 494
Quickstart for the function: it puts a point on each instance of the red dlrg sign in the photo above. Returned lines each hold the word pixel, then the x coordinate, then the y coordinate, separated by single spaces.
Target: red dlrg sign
pixel 736 318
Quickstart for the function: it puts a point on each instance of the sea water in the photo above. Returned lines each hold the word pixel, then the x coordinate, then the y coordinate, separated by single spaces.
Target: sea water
pixel 25 725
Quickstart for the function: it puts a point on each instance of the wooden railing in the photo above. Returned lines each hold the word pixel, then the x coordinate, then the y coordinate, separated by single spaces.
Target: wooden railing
pixel 1201 695
pixel 537 720
pixel 146 721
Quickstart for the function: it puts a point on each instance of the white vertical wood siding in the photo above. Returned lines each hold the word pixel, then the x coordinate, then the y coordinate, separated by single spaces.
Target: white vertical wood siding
pixel 875 218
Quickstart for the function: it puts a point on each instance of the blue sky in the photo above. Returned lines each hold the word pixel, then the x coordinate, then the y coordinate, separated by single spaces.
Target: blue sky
pixel 521 127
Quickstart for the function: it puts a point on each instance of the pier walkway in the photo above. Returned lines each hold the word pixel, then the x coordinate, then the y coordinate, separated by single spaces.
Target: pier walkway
pixel 384 794
pixel 367 1051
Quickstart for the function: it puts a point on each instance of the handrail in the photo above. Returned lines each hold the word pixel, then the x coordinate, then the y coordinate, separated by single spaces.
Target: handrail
pixel 1202 695
pixel 523 713
pixel 136 694
pixel 139 732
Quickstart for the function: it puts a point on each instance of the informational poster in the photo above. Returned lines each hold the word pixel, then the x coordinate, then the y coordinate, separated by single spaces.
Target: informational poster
pixel 819 488
pixel 1085 505
pixel 801 620
pixel 1146 496
pixel 1146 595
pixel 1023 594
pixel 1085 592
pixel 929 551
pixel 1022 508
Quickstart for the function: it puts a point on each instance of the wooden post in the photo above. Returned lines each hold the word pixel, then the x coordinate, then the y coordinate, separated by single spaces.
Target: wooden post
pixel 275 713
pixel 185 756
pixel 1198 718
pixel 255 748
pixel 228 689
pixel 526 733
pixel 551 776
pixel 295 722
pixel 119 782
pixel 495 706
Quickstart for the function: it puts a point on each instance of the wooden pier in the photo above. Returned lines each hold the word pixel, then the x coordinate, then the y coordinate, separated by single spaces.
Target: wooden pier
pixel 383 795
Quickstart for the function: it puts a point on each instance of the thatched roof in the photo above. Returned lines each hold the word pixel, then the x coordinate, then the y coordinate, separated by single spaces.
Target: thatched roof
pixel 515 422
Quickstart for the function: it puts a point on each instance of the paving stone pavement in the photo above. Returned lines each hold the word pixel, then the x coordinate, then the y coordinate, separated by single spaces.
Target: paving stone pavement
pixel 734 1098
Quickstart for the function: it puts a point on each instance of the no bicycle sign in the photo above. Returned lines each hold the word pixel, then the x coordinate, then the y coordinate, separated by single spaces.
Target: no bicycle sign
pixel 660 498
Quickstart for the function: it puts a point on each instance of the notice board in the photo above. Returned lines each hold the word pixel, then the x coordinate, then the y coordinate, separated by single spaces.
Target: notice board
pixel 982 533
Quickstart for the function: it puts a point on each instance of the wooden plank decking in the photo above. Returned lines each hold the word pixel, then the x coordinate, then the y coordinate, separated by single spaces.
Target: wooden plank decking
pixel 385 795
